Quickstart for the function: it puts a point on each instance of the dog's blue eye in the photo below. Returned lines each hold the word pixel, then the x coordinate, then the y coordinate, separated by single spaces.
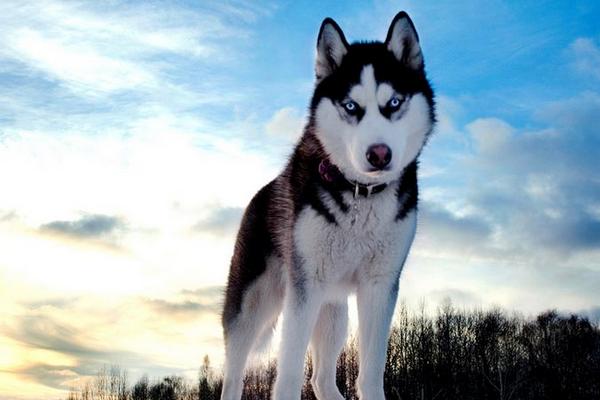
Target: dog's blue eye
pixel 395 102
pixel 350 107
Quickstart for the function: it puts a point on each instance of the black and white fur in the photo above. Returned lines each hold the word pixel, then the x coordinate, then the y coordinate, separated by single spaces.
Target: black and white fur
pixel 306 242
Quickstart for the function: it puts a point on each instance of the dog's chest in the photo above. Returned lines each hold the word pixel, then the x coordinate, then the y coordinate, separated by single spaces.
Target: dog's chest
pixel 364 240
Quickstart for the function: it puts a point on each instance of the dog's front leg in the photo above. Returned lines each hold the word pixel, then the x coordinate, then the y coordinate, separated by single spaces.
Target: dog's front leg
pixel 302 304
pixel 376 300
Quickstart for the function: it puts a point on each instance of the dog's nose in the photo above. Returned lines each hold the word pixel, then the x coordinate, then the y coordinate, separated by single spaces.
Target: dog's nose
pixel 379 155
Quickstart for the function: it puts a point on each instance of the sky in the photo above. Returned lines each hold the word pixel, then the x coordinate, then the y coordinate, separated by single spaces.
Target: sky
pixel 133 134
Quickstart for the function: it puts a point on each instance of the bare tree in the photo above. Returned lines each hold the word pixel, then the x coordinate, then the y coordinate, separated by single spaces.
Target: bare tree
pixel 462 355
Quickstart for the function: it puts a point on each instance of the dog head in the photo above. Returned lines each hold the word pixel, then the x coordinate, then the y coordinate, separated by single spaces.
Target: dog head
pixel 373 107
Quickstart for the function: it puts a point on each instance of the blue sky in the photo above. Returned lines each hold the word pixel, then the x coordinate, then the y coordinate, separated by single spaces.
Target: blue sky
pixel 132 134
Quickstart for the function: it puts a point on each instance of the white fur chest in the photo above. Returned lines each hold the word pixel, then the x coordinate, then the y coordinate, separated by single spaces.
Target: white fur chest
pixel 367 241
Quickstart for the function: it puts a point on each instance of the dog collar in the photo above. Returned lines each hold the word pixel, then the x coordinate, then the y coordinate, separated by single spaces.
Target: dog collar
pixel 331 174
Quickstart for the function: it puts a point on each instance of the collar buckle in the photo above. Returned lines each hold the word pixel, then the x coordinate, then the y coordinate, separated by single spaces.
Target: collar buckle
pixel 367 188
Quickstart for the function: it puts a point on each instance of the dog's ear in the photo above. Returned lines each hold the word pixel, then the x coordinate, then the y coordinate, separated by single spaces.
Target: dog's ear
pixel 331 48
pixel 403 41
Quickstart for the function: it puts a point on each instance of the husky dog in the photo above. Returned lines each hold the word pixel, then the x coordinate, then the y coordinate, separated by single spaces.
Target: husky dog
pixel 340 218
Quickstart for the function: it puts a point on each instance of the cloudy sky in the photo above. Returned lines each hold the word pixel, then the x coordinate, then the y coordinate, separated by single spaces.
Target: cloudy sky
pixel 132 134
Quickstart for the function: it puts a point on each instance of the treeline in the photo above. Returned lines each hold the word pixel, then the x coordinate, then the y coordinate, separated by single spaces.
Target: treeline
pixel 455 355
pixel 112 384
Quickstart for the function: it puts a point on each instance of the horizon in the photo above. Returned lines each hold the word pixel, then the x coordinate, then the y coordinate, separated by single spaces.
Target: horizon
pixel 133 135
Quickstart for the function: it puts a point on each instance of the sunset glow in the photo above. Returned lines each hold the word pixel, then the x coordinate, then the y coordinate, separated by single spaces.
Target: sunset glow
pixel 132 136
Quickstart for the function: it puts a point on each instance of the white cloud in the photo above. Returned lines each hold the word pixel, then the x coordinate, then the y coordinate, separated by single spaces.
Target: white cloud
pixel 447 111
pixel 490 134
pixel 447 141
pixel 132 145
pixel 96 49
pixel 80 67
pixel 512 221
pixel 586 57
pixel 532 186
pixel 286 122
pixel 513 216
pixel 79 335
pixel 160 180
